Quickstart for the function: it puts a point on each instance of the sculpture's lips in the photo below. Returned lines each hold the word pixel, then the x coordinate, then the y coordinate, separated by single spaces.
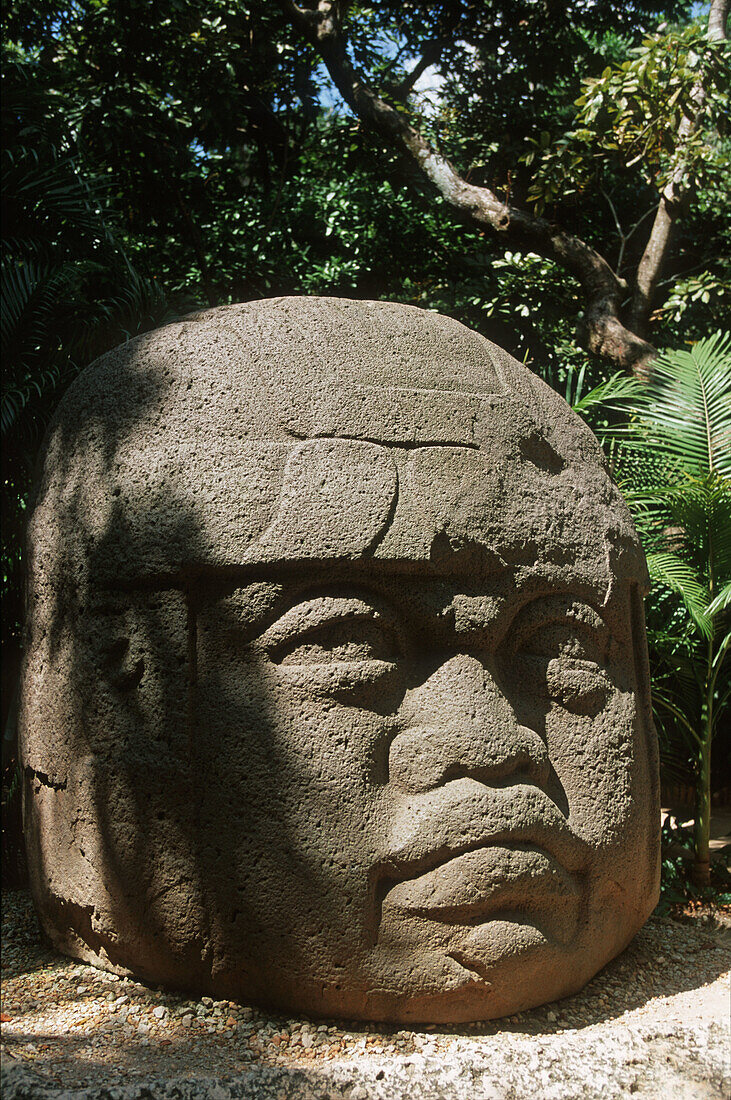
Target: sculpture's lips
pixel 465 814
pixel 464 849
pixel 477 883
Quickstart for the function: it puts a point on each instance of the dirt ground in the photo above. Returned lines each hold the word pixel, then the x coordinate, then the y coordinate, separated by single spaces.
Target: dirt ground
pixel 652 1024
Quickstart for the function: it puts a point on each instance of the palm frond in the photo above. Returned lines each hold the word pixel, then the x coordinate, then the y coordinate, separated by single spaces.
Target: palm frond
pixel 40 197
pixel 677 575
pixel 685 410
pixel 722 602
pixel 30 293
pixel 610 394
pixel 15 398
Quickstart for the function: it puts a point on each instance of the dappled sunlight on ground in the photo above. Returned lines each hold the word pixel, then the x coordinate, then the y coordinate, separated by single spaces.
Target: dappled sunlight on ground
pixel 78 1025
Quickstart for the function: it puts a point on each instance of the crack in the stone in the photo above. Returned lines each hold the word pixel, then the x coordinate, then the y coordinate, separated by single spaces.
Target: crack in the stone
pixel 479 971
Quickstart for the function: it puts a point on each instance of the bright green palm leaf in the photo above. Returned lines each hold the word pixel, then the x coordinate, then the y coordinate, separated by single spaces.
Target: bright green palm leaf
pixel 686 408
pixel 722 602
pixel 671 570
pixel 608 394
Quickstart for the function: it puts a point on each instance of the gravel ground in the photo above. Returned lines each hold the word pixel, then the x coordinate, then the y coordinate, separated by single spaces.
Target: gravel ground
pixel 652 1024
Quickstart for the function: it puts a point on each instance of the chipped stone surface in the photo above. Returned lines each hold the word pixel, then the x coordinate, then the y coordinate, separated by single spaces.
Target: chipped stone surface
pixel 336 695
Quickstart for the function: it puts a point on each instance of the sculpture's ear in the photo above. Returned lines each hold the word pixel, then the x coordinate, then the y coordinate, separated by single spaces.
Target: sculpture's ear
pixel 114 675
pixel 336 502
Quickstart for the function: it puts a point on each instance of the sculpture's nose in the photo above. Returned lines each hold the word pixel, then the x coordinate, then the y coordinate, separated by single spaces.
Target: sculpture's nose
pixel 461 724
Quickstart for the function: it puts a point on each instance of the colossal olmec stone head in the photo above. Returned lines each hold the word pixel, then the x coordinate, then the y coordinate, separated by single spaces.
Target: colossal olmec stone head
pixel 336 694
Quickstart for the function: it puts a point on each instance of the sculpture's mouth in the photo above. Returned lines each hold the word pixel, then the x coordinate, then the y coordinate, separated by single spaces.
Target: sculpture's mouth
pixel 466 853
pixel 480 884
pixel 465 815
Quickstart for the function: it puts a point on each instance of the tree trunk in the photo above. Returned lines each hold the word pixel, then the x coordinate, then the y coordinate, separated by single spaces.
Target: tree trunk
pixel 648 273
pixel 701 872
pixel 674 192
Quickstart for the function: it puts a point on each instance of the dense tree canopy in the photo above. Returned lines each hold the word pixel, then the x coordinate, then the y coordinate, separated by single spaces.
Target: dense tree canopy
pixel 207 122
pixel 649 112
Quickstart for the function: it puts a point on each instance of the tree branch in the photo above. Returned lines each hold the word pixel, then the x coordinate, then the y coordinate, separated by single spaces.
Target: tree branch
pixel 620 232
pixel 602 330
pixel 717 21
pixel 674 192
pixel 431 52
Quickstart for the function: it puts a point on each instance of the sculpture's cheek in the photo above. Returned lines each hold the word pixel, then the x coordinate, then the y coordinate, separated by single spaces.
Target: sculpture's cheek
pixel 600 762
pixel 605 768
pixel 291 820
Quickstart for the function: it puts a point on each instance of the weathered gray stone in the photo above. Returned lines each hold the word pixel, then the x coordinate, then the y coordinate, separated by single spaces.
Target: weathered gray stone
pixel 336 694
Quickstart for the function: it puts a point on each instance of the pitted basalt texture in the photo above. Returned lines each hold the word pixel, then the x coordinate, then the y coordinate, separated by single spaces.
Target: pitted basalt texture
pixel 336 693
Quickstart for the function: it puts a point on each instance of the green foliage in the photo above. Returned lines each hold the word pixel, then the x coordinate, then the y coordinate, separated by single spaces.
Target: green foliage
pixel 636 108
pixel 693 292
pixel 676 884
pixel 673 464
pixel 582 119
pixel 675 455
pixel 68 290
pixel 631 115
pixel 226 176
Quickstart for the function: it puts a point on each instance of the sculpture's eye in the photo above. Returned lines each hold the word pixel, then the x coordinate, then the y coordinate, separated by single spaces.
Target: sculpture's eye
pixel 334 641
pixel 339 639
pixel 579 686
pixel 561 648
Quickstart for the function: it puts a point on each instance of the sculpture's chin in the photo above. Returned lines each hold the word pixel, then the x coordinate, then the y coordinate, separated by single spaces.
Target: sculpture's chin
pixel 501 968
pixel 467 973
pixel 494 968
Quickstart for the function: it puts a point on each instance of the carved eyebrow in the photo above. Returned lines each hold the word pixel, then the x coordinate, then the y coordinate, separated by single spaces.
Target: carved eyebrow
pixel 312 613
pixel 546 610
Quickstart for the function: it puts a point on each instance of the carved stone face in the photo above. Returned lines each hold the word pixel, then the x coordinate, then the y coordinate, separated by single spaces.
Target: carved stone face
pixel 349 691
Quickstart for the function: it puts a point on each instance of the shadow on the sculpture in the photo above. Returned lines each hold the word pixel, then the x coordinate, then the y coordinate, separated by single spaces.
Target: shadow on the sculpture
pixel 152 776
